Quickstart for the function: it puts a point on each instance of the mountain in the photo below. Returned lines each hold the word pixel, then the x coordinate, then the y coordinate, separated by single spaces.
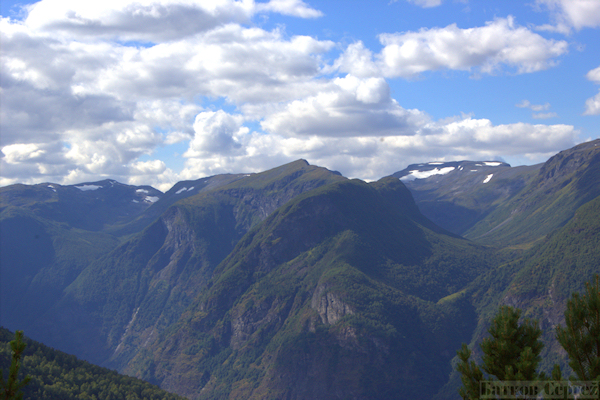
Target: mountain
pixel 90 206
pixel 49 233
pixel 540 284
pixel 56 375
pixel 131 294
pixel 242 273
pixel 564 183
pixel 456 195
pixel 493 203
pixel 297 282
pixel 338 293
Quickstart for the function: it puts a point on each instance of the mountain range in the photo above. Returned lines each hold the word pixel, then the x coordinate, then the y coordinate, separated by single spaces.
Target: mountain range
pixel 297 282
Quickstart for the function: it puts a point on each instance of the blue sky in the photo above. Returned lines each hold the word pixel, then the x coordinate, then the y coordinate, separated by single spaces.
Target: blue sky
pixel 157 91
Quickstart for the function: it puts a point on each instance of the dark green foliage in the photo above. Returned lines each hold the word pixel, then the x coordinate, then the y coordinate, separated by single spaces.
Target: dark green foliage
pixel 11 388
pixel 341 290
pixel 581 336
pixel 511 353
pixel 56 375
pixel 471 374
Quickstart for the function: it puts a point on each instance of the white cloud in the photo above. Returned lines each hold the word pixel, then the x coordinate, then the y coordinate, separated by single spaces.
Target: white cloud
pixel 16 153
pixel 80 106
pixel 348 107
pixel 569 14
pixel 152 167
pixel 594 75
pixel 217 133
pixel 426 3
pixel 371 157
pixel 501 43
pixel 358 61
pixel 296 8
pixel 242 64
pixel 592 105
pixel 533 107
pixel 100 105
pixel 151 20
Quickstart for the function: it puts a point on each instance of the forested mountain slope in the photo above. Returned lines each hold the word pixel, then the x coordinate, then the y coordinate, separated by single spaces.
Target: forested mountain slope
pixel 334 294
pixel 126 298
pixel 297 282
pixel 56 375
pixel 493 203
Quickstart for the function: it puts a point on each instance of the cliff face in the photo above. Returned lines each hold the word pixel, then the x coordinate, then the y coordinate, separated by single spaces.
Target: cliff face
pixel 126 299
pixel 313 302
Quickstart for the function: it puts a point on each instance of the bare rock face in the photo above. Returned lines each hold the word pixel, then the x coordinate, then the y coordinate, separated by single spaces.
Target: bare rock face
pixel 329 305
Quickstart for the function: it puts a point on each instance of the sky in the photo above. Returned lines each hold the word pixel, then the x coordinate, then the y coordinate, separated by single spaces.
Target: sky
pixel 152 92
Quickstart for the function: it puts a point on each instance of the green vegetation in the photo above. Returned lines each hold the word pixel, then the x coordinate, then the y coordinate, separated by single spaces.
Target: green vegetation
pixel 342 277
pixel 581 336
pixel 512 352
pixel 56 375
pixel 299 283
pixel 564 183
pixel 11 388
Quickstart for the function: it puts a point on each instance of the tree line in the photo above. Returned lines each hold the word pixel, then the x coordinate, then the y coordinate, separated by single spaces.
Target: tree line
pixel 512 351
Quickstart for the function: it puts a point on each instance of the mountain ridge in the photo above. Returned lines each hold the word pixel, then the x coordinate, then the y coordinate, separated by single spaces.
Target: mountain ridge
pixel 298 282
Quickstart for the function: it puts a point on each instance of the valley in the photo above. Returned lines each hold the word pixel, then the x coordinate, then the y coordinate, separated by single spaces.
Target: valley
pixel 297 282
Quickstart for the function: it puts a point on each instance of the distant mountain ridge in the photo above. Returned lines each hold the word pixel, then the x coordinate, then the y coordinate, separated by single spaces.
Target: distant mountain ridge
pixel 297 282
pixel 494 203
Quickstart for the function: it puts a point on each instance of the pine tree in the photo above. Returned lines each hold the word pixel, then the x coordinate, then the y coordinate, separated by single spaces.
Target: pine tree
pixel 581 336
pixel 11 388
pixel 512 352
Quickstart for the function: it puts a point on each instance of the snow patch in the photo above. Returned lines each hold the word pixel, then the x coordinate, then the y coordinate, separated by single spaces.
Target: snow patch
pixel 435 163
pixel 492 164
pixel 488 178
pixel 183 189
pixel 192 188
pixel 142 191
pixel 52 187
pixel 88 187
pixel 135 201
pixel 473 170
pixel 151 199
pixel 416 174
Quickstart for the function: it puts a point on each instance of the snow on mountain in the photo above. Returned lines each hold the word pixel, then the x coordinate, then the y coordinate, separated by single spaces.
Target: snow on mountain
pixel 88 187
pixel 416 174
pixel 423 171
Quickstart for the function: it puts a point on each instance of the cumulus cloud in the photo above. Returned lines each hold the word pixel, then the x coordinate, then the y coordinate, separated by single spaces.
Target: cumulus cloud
pixel 571 14
pixel 103 104
pixel 80 102
pixel 296 8
pixel 594 75
pixel 216 132
pixel 151 20
pixel 371 157
pixel 592 105
pixel 500 43
pixel 350 106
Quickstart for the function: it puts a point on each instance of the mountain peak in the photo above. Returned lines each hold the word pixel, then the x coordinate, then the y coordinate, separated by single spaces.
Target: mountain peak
pixel 432 168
